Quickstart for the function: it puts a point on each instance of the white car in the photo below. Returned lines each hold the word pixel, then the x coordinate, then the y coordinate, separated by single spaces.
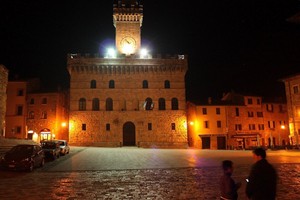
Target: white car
pixel 64 147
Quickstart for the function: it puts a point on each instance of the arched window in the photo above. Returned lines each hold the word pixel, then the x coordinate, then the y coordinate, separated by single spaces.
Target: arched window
pixel 82 104
pixel 31 115
pixel 148 105
pixel 167 84
pixel 161 104
pixel 96 105
pixel 111 84
pixel 174 104
pixel 145 84
pixel 93 84
pixel 109 104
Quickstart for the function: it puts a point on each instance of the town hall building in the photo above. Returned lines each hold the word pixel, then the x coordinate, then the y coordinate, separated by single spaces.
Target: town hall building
pixel 127 98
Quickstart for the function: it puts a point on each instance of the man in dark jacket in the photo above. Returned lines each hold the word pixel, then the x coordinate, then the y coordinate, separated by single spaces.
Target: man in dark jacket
pixel 262 181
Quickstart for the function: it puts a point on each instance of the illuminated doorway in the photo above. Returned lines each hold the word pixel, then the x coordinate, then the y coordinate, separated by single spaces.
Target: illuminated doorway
pixel 129 134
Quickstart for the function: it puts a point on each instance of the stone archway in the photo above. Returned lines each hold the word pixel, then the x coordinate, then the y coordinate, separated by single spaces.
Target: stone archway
pixel 129 134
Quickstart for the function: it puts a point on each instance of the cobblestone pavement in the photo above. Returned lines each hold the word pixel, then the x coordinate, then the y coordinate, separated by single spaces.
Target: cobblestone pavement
pixel 158 184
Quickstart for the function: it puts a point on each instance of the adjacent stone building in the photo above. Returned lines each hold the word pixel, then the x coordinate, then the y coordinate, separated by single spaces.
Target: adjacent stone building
pixel 238 122
pixel 47 116
pixel 292 90
pixel 3 97
pixel 128 99
pixel 16 109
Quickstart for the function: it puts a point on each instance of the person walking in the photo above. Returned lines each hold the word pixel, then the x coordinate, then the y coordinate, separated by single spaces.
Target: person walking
pixel 228 187
pixel 262 180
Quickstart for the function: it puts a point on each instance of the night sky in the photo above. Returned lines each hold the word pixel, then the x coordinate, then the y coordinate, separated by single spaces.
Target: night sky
pixel 244 46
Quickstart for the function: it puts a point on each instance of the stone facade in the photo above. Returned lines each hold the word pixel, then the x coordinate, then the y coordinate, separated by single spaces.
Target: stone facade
pixel 3 97
pixel 292 90
pixel 128 101
pixel 47 116
pixel 16 109
pixel 238 122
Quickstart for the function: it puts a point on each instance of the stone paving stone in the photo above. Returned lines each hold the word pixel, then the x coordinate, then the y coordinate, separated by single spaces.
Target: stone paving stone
pixel 152 184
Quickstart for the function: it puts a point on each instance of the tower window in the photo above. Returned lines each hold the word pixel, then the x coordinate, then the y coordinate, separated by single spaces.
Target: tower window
pixel 173 126
pixel 83 127
pixel 111 84
pixel 145 84
pixel 95 105
pixel 167 84
pixel 109 104
pixel 107 127
pixel 149 126
pixel 174 104
pixel 161 104
pixel 82 104
pixel 93 84
pixel 148 105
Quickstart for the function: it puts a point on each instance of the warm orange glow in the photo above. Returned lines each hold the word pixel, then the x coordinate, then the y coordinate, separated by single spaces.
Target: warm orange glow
pixel 282 126
pixel 192 123
pixel 35 137
pixel 63 124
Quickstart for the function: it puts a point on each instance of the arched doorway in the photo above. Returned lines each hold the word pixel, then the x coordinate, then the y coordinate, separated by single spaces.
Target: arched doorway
pixel 129 134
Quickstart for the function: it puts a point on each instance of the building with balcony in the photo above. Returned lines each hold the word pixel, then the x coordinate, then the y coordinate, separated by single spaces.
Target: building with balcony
pixel 237 122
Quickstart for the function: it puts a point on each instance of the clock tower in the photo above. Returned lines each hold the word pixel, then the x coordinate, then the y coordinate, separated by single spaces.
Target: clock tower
pixel 127 19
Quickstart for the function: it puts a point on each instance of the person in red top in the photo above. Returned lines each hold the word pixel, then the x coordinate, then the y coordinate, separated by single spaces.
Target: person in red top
pixel 228 187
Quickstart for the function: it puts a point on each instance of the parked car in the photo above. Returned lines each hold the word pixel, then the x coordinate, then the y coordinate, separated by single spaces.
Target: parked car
pixel 23 157
pixel 64 147
pixel 51 149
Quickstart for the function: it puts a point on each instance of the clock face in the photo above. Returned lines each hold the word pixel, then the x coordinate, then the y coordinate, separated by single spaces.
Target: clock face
pixel 128 45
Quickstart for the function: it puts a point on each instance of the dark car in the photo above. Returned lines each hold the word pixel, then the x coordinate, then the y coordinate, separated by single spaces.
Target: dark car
pixel 51 149
pixel 23 157
pixel 64 147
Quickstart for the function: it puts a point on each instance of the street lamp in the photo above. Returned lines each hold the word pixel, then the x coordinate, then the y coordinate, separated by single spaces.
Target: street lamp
pixel 282 128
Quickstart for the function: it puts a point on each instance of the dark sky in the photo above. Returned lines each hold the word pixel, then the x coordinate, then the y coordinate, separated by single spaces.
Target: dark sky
pixel 239 45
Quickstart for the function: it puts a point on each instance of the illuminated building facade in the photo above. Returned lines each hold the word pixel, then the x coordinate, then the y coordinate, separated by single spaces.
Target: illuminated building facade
pixel 126 99
pixel 237 122
pixel 292 90
pixel 47 116
pixel 16 109
pixel 3 97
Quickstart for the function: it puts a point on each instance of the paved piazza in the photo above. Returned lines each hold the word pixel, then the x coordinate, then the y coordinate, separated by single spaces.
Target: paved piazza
pixel 143 174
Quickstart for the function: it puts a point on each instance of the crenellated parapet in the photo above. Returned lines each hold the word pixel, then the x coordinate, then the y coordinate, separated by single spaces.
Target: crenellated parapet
pixel 89 64
pixel 127 11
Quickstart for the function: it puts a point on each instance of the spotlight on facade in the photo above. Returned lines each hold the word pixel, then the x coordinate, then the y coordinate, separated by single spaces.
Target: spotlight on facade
pixel 111 53
pixel 144 53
